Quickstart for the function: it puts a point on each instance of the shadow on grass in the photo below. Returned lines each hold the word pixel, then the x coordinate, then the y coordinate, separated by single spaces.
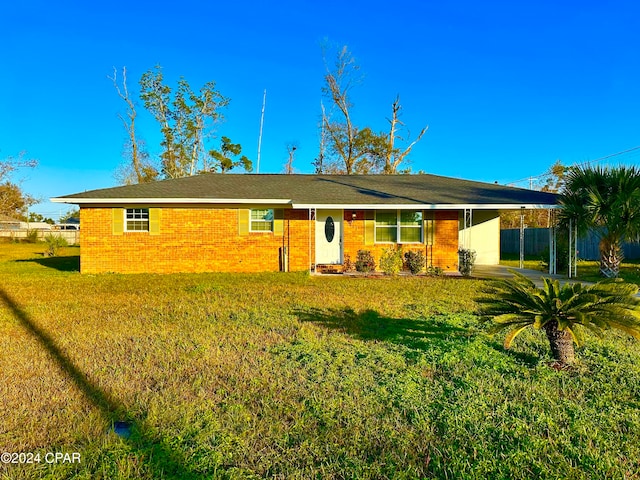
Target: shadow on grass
pixel 370 325
pixel 63 264
pixel 163 462
pixel 521 357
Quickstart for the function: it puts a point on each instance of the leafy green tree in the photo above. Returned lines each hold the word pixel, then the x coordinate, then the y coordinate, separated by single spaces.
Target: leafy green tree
pixel 13 201
pixel 607 201
pixel 187 119
pixel 71 213
pixel 223 159
pixel 36 217
pixel 562 312
pixel 554 178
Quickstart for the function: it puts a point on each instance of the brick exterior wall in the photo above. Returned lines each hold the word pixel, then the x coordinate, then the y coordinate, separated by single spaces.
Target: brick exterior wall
pixel 207 239
pixel 190 240
pixel 443 253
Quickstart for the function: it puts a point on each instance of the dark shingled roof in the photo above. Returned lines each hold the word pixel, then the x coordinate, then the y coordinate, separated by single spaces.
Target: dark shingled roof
pixel 308 190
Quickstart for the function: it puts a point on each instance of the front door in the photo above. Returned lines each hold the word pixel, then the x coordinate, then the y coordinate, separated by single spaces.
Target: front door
pixel 329 237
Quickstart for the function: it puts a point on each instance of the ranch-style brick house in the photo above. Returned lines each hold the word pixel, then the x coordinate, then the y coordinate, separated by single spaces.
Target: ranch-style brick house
pixel 257 223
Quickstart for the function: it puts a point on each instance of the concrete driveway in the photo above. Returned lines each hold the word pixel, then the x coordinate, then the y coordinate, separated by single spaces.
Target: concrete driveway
pixel 501 271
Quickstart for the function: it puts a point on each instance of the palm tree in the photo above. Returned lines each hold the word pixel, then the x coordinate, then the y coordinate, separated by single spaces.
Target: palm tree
pixel 561 312
pixel 606 200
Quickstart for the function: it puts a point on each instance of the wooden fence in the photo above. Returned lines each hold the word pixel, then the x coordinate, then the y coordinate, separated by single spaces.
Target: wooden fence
pixel 536 244
pixel 71 236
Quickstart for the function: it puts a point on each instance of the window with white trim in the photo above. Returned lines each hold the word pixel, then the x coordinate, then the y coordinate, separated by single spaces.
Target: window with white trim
pixel 410 226
pixel 261 220
pixel 408 223
pixel 386 226
pixel 136 220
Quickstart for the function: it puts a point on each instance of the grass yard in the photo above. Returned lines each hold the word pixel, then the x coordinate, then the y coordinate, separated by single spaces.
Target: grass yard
pixel 292 376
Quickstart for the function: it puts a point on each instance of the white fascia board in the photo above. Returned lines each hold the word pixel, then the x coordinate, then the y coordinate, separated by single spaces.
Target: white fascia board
pixel 499 206
pixel 174 201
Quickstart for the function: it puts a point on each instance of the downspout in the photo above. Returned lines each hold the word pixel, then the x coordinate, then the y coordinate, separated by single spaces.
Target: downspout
pixel 309 239
pixel 521 237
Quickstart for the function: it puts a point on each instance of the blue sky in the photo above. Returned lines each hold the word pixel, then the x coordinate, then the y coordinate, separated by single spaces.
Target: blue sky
pixel 507 88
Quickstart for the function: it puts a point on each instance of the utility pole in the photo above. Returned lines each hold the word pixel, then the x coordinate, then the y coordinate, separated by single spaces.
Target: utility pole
pixel 264 101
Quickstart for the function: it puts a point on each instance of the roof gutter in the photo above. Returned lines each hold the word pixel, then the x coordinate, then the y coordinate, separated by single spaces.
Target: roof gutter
pixel 429 206
pixel 280 201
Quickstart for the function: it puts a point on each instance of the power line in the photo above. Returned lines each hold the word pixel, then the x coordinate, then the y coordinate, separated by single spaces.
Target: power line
pixel 588 162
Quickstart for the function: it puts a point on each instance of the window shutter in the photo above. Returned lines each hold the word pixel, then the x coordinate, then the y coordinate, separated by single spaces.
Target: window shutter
pixel 117 221
pixel 154 221
pixel 369 227
pixel 429 228
pixel 278 222
pixel 243 221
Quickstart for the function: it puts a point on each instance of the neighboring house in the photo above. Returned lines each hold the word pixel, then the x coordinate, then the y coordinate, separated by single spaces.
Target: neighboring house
pixel 9 223
pixel 36 225
pixel 253 223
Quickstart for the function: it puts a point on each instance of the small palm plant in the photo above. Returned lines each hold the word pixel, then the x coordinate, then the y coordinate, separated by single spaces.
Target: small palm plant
pixel 561 312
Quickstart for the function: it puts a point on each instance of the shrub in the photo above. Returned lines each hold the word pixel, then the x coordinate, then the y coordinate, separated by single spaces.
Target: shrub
pixel 561 311
pixel 365 262
pixel 466 260
pixel 348 265
pixel 434 271
pixel 54 243
pixel 414 261
pixel 32 236
pixel 391 260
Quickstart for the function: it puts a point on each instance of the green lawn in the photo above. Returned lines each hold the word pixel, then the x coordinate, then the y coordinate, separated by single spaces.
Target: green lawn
pixel 292 376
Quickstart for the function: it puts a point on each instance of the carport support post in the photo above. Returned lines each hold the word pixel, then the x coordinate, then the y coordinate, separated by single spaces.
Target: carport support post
pixel 553 244
pixel 468 223
pixel 570 247
pixel 552 250
pixel 575 249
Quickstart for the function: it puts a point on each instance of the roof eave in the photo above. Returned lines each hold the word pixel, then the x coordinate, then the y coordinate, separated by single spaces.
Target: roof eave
pixel 137 201
pixel 280 201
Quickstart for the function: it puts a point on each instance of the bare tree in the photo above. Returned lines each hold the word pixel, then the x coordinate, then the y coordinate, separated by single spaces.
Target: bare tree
pixel 318 163
pixel 291 150
pixel 344 141
pixel 345 148
pixel 13 201
pixel 10 164
pixel 137 168
pixel 395 156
